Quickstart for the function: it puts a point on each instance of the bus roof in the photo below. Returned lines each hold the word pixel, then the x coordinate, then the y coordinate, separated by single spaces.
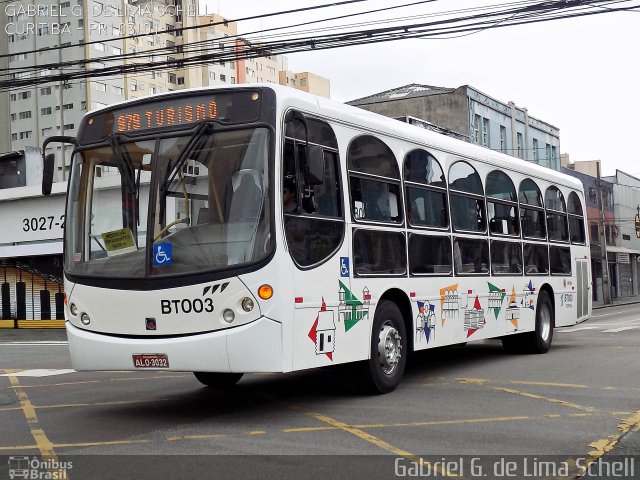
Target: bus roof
pixel 375 123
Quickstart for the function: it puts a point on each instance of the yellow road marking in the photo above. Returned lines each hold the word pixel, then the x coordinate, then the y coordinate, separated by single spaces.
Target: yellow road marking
pixel 377 442
pixel 540 397
pixel 257 432
pixel 549 384
pixel 476 381
pixel 43 443
pixel 193 437
pixel 605 445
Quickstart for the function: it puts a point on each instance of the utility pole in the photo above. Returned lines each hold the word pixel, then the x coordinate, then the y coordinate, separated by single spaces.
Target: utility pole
pixel 606 293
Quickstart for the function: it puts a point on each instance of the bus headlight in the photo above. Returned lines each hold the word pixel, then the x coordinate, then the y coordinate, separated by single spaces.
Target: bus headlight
pixel 247 304
pixel 84 318
pixel 228 315
pixel 73 308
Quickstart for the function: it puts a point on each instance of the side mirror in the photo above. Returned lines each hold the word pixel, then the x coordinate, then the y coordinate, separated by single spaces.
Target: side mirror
pixel 47 173
pixel 314 173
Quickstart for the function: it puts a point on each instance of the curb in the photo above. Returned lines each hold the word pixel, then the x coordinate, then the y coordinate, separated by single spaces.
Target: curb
pixel 617 304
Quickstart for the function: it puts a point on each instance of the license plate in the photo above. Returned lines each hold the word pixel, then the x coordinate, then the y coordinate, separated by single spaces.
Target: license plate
pixel 150 360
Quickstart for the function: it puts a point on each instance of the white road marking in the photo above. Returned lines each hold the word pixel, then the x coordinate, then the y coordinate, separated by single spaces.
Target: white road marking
pixel 50 343
pixel 616 330
pixel 564 330
pixel 40 372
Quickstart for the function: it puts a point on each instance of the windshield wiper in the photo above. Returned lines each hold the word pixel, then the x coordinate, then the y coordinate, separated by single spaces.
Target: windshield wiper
pixel 175 169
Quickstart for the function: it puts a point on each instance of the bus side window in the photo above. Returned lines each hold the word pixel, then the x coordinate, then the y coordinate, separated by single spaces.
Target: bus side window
pixel 311 229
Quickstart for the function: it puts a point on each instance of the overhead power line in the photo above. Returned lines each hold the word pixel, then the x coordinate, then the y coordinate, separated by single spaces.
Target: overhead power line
pixel 227 42
pixel 532 13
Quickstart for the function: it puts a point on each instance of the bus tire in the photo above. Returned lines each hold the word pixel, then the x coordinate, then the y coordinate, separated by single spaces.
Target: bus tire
pixel 538 341
pixel 220 380
pixel 388 349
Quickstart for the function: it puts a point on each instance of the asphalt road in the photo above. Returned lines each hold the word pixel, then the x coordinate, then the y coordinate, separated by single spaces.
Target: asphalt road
pixel 474 412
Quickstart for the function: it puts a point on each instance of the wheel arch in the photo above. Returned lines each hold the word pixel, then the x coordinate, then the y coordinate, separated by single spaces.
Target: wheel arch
pixel 402 301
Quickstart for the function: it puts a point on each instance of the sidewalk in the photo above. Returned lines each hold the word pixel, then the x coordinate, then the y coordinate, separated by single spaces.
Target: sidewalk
pixel 616 302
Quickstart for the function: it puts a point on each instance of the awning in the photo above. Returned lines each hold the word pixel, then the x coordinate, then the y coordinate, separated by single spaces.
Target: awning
pixel 614 249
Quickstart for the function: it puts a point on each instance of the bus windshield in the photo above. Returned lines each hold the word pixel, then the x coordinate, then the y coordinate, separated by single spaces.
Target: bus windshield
pixel 164 205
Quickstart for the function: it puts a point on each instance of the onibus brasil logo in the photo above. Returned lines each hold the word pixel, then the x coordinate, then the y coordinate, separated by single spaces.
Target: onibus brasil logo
pixel 38 468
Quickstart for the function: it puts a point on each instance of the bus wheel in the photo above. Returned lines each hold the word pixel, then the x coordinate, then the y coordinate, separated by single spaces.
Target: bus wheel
pixel 541 339
pixel 220 380
pixel 388 349
pixel 538 341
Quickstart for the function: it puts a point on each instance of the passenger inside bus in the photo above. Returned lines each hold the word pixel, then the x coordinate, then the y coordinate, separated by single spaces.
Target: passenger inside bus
pixel 289 204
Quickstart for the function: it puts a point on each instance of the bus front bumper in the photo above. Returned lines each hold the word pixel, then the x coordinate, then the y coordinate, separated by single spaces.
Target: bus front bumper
pixel 255 347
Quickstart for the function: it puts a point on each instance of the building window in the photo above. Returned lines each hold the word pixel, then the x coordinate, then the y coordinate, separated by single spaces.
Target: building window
pixel 476 128
pixel 99 46
pixel 13 117
pixel 548 154
pixel 45 111
pixel 180 80
pixel 485 132
pixel 25 135
pixel 67 106
pixel 118 90
pixel 133 85
pixel 172 78
pixel 100 87
pixel 503 139
pixel 520 145
pixel 24 115
pixel 536 155
pixel 116 50
pixel 14 136
pixel 47 131
pixel 223 78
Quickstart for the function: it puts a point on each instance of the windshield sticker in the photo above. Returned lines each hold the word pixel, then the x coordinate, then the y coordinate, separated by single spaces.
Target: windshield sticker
pixel 162 254
pixel 118 242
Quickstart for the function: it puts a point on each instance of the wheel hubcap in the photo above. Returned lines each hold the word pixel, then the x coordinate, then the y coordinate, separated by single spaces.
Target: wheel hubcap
pixel 545 323
pixel 389 348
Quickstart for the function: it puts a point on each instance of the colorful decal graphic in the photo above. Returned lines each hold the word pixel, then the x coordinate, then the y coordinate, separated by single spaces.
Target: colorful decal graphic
pixel 351 310
pixel 426 321
pixel 512 313
pixel 527 299
pixel 496 296
pixel 323 332
pixel 474 318
pixel 449 302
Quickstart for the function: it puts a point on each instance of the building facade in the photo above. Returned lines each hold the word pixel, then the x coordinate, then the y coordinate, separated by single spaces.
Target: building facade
pixel 591 186
pixel 486 121
pixel 626 274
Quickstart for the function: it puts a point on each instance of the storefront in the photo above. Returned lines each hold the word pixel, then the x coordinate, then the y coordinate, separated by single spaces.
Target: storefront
pixel 31 290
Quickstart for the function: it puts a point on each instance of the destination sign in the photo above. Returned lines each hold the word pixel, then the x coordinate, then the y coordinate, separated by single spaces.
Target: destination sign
pixel 242 106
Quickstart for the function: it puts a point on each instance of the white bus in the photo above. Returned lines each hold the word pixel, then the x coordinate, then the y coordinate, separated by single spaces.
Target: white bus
pixel 261 229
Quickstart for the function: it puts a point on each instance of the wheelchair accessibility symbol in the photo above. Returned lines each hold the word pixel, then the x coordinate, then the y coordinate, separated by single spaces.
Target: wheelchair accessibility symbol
pixel 162 254
pixel 344 266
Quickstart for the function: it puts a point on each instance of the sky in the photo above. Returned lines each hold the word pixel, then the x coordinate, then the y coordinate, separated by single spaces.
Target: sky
pixel 581 75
